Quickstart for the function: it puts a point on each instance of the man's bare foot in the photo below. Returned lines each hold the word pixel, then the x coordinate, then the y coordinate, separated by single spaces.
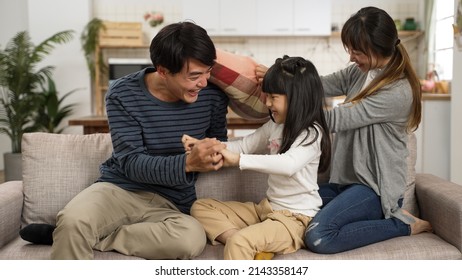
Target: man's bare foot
pixel 419 225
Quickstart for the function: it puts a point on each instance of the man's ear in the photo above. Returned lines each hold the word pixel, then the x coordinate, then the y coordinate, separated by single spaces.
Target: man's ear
pixel 162 71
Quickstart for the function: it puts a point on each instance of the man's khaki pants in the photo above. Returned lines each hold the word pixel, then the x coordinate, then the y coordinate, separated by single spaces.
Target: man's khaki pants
pixel 260 228
pixel 143 224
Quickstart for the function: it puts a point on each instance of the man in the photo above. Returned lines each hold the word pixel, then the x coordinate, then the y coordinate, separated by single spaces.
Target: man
pixel 140 204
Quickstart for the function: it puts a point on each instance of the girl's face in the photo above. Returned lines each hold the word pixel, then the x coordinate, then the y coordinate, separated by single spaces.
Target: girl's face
pixel 277 104
pixel 364 63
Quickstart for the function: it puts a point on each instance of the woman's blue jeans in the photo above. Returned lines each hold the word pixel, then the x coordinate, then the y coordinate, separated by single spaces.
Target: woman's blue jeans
pixel 351 217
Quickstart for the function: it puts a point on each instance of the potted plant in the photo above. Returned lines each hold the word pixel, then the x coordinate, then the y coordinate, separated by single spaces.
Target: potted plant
pixel 52 111
pixel 90 40
pixel 20 82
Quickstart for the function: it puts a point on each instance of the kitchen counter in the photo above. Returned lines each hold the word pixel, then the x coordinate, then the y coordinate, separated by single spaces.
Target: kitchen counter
pixel 99 124
pixel 436 96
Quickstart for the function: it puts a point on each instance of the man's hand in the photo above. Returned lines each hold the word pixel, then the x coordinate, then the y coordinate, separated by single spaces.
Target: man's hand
pixel 260 71
pixel 205 156
pixel 230 158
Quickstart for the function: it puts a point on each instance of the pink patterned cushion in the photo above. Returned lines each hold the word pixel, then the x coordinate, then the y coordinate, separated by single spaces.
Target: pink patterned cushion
pixel 235 75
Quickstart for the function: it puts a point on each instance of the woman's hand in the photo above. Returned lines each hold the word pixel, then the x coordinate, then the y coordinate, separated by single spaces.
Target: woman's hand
pixel 260 71
pixel 230 158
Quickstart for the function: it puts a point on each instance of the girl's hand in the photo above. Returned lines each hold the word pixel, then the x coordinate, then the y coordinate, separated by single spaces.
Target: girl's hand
pixel 230 158
pixel 260 71
pixel 188 142
pixel 205 155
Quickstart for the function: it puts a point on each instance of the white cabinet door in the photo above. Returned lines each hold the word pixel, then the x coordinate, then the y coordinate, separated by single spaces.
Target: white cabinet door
pixel 238 17
pixel 312 17
pixel 433 154
pixel 205 13
pixel 274 17
pixel 260 17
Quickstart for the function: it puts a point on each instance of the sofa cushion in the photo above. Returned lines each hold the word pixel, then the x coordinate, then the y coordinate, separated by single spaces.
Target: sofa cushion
pixel 55 168
pixel 425 246
pixel 235 75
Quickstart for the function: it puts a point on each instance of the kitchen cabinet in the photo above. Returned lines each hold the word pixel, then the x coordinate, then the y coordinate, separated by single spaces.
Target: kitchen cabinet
pixel 312 17
pixel 225 18
pixel 274 17
pixel 205 13
pixel 238 17
pixel 433 135
pixel 260 17
pixel 294 18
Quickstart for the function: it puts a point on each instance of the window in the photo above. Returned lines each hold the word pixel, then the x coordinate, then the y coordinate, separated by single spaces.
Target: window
pixel 444 41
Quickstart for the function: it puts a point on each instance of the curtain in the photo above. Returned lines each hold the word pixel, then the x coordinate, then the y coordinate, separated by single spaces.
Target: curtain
pixel 429 28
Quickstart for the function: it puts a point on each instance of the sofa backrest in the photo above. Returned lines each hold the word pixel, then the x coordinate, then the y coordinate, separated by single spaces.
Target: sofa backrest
pixel 58 166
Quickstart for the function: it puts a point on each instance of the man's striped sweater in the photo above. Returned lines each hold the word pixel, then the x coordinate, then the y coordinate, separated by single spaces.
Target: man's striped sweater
pixel 146 136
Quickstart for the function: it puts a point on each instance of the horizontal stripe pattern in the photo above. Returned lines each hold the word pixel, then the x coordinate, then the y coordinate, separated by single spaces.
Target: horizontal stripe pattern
pixel 146 135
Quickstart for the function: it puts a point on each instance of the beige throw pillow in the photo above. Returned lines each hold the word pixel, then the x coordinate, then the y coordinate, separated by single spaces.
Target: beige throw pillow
pixel 55 168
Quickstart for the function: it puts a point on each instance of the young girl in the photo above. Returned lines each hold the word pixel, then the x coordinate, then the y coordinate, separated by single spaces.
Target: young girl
pixel 298 143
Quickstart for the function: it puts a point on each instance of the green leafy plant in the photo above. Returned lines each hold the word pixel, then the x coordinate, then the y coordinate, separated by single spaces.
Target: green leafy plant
pixel 90 40
pixel 21 81
pixel 51 111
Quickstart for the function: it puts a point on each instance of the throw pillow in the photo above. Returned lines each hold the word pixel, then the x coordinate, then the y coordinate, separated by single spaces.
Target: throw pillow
pixel 55 168
pixel 235 75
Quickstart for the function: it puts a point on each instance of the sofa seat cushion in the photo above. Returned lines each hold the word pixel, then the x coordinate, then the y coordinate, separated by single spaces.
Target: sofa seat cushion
pixel 425 246
pixel 417 247
pixel 19 249
pixel 55 168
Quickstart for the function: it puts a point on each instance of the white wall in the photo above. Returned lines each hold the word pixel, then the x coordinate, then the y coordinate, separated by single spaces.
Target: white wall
pixel 47 17
pixel 43 18
pixel 456 117
pixel 13 18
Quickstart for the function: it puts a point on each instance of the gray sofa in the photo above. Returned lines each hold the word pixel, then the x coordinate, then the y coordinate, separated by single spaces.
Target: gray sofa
pixel 56 167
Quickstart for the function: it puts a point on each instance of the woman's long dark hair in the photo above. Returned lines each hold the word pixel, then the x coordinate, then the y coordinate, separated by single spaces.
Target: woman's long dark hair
pixel 373 32
pixel 298 78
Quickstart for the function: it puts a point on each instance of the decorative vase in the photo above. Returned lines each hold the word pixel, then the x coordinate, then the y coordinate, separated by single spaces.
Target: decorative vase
pixel 410 24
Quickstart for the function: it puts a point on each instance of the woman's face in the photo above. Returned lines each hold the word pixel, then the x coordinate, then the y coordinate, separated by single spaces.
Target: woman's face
pixel 364 63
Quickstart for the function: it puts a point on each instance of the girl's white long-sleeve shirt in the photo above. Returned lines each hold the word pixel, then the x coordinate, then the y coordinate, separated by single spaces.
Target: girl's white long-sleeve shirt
pixel 292 180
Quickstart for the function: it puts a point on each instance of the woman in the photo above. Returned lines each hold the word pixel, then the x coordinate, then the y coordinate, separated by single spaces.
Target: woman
pixel 368 172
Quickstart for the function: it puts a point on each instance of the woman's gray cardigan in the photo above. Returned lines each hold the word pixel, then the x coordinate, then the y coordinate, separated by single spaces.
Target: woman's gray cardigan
pixel 370 142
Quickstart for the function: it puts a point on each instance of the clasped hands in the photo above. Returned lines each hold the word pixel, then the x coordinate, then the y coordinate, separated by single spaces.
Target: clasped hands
pixel 207 154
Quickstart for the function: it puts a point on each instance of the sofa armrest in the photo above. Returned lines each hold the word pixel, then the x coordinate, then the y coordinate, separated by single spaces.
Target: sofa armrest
pixel 440 203
pixel 11 201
